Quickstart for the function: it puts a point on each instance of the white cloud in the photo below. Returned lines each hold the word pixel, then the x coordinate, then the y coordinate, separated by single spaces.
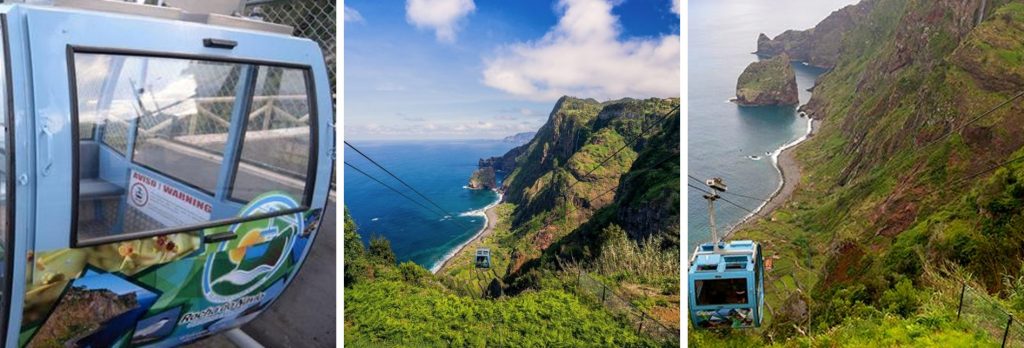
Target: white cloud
pixel 583 56
pixel 675 7
pixel 351 15
pixel 440 15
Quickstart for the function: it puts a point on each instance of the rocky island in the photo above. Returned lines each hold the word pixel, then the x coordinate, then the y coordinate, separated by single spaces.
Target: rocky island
pixel 483 178
pixel 768 82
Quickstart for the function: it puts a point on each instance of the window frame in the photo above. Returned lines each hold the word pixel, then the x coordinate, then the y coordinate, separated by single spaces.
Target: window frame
pixel 305 202
pixel 307 192
pixel 8 82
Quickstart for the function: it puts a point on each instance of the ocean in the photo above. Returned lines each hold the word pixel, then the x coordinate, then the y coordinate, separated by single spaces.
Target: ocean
pixel 438 169
pixel 722 135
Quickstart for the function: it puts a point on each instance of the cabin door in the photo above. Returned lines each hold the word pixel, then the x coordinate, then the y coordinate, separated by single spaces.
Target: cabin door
pixel 180 183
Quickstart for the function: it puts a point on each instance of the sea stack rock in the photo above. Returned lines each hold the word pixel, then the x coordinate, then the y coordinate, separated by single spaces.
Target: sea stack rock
pixel 483 178
pixel 768 82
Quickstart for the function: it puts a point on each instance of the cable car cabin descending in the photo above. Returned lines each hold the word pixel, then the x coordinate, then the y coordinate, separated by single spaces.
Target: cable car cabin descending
pixel 483 258
pixel 726 287
pixel 171 168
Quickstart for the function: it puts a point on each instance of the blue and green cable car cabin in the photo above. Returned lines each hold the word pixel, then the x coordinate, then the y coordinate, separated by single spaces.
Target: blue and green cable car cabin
pixel 726 286
pixel 170 167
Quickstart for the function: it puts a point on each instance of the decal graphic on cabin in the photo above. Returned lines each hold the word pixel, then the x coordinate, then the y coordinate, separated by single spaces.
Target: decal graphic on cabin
pixel 165 290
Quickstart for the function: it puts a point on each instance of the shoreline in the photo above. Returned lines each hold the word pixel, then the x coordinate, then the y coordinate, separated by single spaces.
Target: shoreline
pixel 490 216
pixel 789 171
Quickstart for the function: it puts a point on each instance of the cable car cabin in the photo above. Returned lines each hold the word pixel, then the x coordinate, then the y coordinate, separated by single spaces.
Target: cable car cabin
pixel 163 174
pixel 483 258
pixel 727 287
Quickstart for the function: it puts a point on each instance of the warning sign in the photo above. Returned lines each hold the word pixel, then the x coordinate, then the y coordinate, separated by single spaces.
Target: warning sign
pixel 164 203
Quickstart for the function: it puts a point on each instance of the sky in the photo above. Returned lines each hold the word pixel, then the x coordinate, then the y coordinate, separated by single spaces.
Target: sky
pixel 487 69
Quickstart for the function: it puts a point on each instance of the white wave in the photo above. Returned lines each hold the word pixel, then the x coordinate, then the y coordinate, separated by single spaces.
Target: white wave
pixel 782 180
pixel 374 219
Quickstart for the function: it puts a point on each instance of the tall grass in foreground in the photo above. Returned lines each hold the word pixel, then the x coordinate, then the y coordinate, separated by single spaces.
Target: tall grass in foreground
pixel 642 262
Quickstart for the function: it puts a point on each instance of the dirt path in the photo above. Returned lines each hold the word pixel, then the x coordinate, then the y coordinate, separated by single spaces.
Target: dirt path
pixel 492 221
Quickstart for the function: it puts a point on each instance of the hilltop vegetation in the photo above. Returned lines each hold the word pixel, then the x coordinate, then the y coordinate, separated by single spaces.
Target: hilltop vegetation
pixel 768 82
pixel 618 230
pixel 901 178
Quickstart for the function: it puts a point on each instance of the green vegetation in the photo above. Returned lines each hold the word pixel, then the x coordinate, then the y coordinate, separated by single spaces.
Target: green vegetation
pixel 768 82
pixel 406 305
pixel 896 184
pixel 580 247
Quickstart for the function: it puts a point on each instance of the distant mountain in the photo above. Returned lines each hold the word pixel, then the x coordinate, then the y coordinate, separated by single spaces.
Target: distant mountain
pixel 520 138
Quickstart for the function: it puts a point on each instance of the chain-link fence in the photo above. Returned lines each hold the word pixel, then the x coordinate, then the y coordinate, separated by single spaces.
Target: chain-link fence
pixel 312 19
pixel 979 310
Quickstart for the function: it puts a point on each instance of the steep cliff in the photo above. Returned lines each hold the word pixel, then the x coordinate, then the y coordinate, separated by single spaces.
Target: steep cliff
pixel 915 171
pixel 819 46
pixel 768 82
pixel 562 162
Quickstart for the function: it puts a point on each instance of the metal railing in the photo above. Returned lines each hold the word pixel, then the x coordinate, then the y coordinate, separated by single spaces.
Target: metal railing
pixel 592 288
pixel 979 310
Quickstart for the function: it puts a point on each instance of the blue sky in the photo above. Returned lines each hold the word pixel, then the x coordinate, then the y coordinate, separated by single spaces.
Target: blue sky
pixel 486 69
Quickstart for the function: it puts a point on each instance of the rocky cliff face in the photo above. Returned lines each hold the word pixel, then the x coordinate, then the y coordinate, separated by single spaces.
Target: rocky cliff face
pixel 562 162
pixel 80 312
pixel 819 46
pixel 905 165
pixel 483 178
pixel 768 82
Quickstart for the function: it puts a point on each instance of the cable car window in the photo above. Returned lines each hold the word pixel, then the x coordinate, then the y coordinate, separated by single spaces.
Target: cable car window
pixel 183 110
pixel 721 291
pixel 175 150
pixel 276 143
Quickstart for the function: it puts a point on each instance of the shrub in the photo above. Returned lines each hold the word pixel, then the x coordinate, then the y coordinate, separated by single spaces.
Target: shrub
pixel 902 299
pixel 380 250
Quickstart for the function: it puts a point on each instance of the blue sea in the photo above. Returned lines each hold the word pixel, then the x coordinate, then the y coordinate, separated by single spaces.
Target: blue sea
pixel 438 169
pixel 722 135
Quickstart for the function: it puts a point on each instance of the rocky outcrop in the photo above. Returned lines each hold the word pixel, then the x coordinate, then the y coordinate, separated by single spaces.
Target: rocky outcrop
pixel 768 82
pixel 81 312
pixel 483 178
pixel 819 46
pixel 505 163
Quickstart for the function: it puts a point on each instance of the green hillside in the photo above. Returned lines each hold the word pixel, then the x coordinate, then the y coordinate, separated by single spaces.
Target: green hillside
pixel 897 184
pixel 598 268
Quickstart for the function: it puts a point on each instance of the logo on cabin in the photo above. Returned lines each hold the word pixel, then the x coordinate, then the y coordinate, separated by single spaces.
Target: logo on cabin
pixel 242 265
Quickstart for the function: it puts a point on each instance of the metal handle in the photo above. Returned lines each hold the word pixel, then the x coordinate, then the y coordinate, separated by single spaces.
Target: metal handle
pixel 47 133
pixel 219 237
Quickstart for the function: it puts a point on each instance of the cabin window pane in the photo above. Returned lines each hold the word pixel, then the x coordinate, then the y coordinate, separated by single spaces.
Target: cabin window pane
pixel 721 291
pixel 161 124
pixel 276 145
pixel 183 118
pixel 181 142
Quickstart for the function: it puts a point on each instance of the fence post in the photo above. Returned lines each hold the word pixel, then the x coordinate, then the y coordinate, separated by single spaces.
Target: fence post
pixel 1007 331
pixel 963 288
pixel 603 290
pixel 640 328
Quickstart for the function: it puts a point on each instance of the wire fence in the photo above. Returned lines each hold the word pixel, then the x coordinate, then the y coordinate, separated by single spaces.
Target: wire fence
pixel 976 308
pixel 312 19
pixel 589 287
